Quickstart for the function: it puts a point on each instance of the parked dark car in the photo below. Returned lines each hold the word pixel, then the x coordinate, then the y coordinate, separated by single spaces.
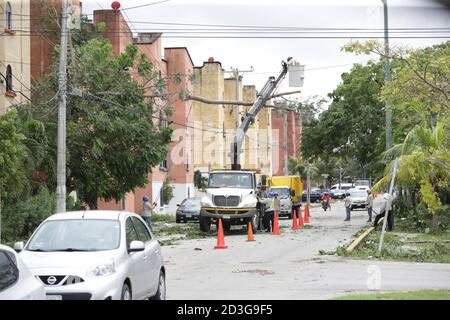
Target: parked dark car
pixel 314 196
pixel 188 210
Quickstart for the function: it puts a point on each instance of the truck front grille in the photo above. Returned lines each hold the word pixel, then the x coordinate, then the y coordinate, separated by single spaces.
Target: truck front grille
pixel 222 201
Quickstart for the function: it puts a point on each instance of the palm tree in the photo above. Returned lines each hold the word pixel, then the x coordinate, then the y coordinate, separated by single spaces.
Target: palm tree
pixel 424 162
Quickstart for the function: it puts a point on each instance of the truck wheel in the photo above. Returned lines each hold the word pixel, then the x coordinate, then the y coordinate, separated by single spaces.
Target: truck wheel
pixel 205 224
pixel 226 226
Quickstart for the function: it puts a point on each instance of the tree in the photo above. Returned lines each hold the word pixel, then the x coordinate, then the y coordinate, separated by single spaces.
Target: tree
pixel 167 192
pixel 11 150
pixel 114 134
pixel 419 89
pixel 199 181
pixel 424 161
pixel 352 127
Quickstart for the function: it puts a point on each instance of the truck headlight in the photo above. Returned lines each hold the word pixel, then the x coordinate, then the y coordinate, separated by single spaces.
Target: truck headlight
pixel 206 202
pixel 249 202
pixel 102 269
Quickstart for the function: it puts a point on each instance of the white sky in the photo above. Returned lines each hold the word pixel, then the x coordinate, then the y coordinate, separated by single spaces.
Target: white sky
pixel 321 56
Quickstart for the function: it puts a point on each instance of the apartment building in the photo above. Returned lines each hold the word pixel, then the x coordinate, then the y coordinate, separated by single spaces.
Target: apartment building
pixel 171 63
pixel 15 86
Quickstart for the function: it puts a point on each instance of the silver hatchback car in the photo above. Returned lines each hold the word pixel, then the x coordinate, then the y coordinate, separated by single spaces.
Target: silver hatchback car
pixel 96 255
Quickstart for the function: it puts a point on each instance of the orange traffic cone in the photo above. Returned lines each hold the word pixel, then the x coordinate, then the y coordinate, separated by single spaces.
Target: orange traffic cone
pixel 250 232
pixel 307 214
pixel 220 237
pixel 276 229
pixel 294 221
pixel 300 218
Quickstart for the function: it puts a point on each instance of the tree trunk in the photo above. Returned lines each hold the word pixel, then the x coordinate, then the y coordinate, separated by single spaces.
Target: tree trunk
pixel 434 222
pixel 414 203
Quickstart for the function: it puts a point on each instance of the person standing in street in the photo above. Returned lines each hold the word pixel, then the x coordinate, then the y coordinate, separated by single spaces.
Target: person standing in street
pixel 147 212
pixel 348 206
pixel 369 205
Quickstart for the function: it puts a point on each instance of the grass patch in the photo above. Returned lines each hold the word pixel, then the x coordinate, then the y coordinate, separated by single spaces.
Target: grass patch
pixel 433 237
pixel 398 248
pixel 409 295
pixel 163 218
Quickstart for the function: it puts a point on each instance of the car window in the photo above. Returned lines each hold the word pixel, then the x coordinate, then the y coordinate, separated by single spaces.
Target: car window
pixel 191 203
pixel 142 231
pixel 131 234
pixel 9 273
pixel 76 235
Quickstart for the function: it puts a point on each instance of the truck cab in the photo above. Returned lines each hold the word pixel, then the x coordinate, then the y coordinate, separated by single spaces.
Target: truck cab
pixel 231 195
pixel 284 193
pixel 288 185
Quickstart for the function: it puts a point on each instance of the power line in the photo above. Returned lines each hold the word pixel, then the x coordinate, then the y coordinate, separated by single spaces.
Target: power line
pixel 145 5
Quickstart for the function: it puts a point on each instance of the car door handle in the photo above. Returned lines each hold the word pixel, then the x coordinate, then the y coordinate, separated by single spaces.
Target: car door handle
pixel 145 258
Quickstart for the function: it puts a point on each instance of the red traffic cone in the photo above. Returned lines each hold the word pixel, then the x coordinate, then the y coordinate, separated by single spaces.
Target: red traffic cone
pixel 276 229
pixel 250 232
pixel 300 218
pixel 294 221
pixel 220 237
pixel 307 214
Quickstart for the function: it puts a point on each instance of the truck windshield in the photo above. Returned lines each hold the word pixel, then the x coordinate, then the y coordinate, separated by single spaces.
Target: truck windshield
pixel 230 180
pixel 282 192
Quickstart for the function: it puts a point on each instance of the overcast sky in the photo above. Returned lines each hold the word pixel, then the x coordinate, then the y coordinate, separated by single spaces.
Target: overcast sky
pixel 323 59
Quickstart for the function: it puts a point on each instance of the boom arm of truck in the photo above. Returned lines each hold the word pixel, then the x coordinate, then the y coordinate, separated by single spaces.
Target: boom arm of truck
pixel 261 100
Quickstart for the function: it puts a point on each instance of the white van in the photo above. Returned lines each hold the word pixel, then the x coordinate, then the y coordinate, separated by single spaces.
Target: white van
pixel 340 193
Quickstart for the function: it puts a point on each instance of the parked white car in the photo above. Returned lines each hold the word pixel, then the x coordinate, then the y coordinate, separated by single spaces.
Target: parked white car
pixel 96 255
pixel 16 280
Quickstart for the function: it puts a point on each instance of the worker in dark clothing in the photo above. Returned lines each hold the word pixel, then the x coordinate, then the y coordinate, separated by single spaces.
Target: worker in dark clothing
pixel 382 213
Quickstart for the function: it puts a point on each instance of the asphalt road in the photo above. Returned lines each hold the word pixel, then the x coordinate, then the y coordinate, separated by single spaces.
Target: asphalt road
pixel 289 266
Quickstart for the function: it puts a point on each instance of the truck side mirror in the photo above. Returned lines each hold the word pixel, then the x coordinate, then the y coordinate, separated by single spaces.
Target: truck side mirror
pixel 292 192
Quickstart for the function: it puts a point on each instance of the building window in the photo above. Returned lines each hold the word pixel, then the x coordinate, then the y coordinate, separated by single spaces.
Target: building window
pixel 9 86
pixel 8 16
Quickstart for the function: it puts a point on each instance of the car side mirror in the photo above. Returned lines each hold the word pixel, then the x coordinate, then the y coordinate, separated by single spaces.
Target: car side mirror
pixel 136 246
pixel 292 192
pixel 18 246
pixel 178 205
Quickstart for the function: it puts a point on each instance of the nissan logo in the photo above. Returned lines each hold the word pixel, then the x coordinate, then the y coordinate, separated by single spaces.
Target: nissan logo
pixel 51 280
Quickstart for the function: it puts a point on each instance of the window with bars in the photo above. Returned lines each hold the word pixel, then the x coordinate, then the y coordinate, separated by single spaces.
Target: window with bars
pixel 9 77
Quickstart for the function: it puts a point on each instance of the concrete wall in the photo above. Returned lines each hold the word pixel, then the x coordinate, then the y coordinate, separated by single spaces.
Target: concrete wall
pixel 15 51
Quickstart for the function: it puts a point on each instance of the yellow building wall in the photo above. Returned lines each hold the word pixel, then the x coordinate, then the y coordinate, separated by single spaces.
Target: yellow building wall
pixel 15 51
pixel 209 144
pixel 212 149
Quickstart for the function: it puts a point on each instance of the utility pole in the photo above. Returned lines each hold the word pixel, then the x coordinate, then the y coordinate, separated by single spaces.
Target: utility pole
pixel 388 206
pixel 387 75
pixel 61 161
pixel 285 118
